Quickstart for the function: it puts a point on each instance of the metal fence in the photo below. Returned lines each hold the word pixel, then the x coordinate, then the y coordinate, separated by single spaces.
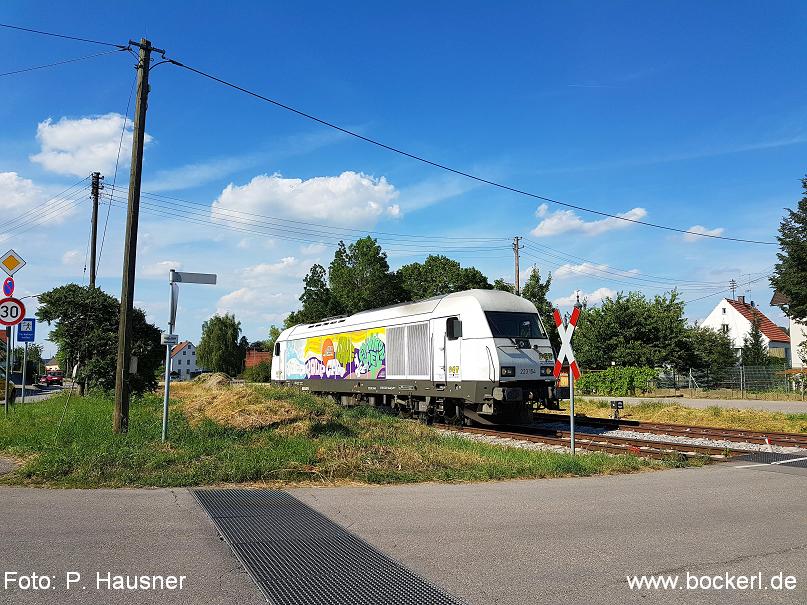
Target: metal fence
pixel 757 382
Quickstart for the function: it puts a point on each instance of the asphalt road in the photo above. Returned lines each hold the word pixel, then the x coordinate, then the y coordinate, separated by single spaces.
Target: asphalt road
pixel 127 531
pixel 792 407
pixel 547 541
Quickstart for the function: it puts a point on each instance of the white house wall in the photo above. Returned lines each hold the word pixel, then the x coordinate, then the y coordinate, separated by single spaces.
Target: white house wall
pixel 798 334
pixel 738 325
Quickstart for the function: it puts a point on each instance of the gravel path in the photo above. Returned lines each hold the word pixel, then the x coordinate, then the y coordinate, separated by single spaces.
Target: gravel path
pixel 506 441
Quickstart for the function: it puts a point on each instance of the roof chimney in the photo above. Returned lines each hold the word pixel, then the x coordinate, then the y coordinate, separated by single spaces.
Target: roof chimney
pixel 741 299
pixel 752 304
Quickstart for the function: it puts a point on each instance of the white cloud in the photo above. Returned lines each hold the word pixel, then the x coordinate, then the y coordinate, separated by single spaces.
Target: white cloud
pixel 83 145
pixel 71 258
pixel 352 198
pixel 19 195
pixel 565 221
pixel 570 270
pixel 591 298
pixel 268 290
pixel 313 249
pixel 694 232
pixel 159 268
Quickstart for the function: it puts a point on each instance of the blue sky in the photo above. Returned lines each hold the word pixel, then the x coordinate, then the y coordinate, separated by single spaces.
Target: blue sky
pixel 685 114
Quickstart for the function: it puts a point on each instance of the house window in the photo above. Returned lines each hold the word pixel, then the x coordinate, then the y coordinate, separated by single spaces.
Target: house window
pixel 724 310
pixel 724 328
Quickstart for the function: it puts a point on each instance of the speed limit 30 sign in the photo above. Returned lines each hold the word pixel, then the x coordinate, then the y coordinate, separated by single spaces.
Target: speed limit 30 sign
pixel 12 311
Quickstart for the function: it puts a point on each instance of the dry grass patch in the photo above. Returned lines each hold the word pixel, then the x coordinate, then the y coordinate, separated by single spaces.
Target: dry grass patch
pixel 240 407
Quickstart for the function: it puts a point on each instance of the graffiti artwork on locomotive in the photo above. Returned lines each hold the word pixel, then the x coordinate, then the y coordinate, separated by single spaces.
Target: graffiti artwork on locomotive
pixel 478 354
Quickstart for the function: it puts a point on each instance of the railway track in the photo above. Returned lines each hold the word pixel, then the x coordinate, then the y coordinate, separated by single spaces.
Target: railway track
pixel 682 430
pixel 601 443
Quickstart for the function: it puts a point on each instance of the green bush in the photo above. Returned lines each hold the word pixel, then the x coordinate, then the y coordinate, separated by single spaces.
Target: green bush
pixel 261 372
pixel 617 382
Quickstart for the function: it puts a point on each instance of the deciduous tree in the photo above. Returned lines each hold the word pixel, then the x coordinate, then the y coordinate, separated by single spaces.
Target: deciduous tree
pixel 439 275
pixel 86 332
pixel 219 348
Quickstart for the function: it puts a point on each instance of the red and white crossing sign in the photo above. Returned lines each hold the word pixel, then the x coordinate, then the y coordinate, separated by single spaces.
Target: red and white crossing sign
pixel 565 332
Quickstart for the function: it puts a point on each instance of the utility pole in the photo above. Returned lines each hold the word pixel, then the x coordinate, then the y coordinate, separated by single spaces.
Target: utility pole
pixel 121 417
pixel 733 288
pixel 96 188
pixel 516 248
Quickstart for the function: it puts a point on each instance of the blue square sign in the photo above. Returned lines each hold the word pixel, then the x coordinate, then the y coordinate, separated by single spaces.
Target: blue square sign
pixel 26 330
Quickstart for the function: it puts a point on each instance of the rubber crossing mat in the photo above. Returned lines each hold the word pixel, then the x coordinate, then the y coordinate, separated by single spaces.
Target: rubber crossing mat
pixel 775 458
pixel 297 556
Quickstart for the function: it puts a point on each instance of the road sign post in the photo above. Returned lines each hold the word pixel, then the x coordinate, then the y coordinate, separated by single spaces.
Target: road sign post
pixel 566 328
pixel 171 339
pixel 8 366
pixel 25 333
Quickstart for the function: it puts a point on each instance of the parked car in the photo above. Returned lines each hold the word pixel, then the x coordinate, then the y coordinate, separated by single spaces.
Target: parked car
pixel 52 377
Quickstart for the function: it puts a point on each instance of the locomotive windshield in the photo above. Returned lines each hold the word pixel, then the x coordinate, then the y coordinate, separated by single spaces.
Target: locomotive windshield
pixel 505 324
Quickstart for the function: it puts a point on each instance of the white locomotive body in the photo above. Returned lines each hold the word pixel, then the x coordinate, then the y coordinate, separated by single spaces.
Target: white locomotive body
pixel 471 354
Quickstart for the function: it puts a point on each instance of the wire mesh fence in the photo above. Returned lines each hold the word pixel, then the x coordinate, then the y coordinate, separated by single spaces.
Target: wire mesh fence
pixel 744 382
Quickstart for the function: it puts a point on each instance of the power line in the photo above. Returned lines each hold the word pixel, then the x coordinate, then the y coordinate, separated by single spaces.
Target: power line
pixel 454 170
pixel 55 35
pixel 748 283
pixel 256 228
pixel 26 69
pixel 305 227
pixel 401 151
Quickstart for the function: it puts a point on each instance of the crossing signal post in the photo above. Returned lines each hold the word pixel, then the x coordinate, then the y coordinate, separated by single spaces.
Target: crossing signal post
pixel 566 327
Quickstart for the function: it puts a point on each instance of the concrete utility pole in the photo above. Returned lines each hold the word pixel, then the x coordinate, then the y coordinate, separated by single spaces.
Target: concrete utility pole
pixel 121 418
pixel 733 288
pixel 96 188
pixel 516 248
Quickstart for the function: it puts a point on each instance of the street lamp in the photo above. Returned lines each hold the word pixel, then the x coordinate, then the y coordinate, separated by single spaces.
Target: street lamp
pixel 170 339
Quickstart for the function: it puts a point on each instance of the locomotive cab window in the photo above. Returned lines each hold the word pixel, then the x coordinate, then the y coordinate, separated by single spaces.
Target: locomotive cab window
pixel 506 324
pixel 277 348
pixel 453 328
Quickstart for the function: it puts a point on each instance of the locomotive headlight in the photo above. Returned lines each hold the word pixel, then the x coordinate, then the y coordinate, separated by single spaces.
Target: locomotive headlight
pixel 508 371
pixel 546 370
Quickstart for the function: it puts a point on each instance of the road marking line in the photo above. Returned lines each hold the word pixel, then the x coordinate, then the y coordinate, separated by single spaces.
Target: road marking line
pixel 752 465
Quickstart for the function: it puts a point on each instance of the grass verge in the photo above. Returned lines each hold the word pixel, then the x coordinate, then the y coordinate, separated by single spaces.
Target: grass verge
pixel 260 435
pixel 671 412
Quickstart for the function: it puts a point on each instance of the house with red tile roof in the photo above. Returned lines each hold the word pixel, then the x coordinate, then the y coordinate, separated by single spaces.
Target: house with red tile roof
pixel 735 316
pixel 183 361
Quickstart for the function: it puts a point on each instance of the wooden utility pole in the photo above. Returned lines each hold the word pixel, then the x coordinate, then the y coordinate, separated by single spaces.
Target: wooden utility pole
pixel 516 248
pixel 121 419
pixel 96 188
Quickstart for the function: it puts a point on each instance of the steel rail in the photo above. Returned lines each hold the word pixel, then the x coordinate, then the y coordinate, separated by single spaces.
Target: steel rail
pixel 613 445
pixel 683 430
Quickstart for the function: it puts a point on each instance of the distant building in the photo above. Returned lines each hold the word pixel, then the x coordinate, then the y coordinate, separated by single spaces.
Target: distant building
pixel 51 364
pixel 183 361
pixel 734 317
pixel 254 357
pixel 798 331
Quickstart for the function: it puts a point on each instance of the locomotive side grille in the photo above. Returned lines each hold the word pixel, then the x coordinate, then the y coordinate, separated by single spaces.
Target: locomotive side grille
pixel 396 352
pixel 417 349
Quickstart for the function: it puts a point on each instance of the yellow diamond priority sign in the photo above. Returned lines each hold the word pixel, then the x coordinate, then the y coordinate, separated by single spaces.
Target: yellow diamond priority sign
pixel 11 262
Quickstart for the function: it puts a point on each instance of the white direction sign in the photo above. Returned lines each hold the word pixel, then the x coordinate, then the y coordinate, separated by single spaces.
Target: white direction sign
pixel 11 262
pixel 169 339
pixel 565 333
